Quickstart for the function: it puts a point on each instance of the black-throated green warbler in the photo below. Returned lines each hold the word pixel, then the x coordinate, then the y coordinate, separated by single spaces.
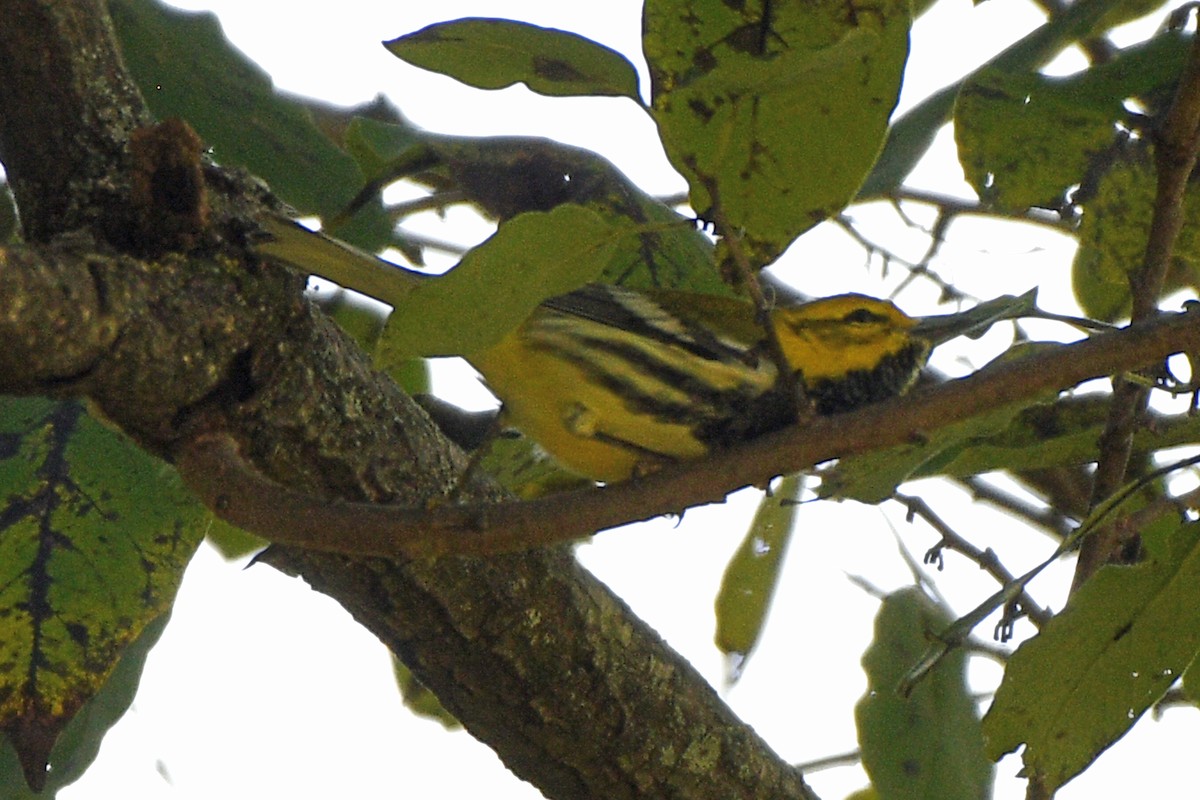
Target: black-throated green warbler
pixel 614 382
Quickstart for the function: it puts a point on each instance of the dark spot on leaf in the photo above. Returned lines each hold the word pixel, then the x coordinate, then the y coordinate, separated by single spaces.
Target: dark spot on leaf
pixel 9 444
pixel 78 633
pixel 911 767
pixel 1124 629
pixel 701 109
pixel 429 35
pixel 747 39
pixel 704 61
pixel 552 69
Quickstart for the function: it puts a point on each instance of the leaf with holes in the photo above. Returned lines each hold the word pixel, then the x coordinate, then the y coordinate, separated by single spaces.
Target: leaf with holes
pixel 774 112
pixel 748 585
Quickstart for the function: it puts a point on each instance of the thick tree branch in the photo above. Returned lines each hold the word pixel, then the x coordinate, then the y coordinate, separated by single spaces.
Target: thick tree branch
pixel 65 120
pixel 532 654
pixel 226 483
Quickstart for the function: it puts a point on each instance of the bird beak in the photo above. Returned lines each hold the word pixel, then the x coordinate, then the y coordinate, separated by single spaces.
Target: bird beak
pixel 941 328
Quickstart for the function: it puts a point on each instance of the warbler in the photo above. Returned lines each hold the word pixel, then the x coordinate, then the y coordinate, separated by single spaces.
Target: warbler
pixel 614 382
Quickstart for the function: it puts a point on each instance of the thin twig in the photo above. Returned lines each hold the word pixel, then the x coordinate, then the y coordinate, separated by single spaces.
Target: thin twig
pixel 915 270
pixel 436 201
pixel 846 223
pixel 431 243
pixel 1049 519
pixel 986 560
pixel 958 206
pixel 847 759
pixel 793 390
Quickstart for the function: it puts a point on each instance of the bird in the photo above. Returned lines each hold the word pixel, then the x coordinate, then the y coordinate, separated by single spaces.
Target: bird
pixel 614 382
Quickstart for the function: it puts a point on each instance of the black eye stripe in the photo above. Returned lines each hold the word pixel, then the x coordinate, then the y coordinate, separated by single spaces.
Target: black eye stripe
pixel 863 315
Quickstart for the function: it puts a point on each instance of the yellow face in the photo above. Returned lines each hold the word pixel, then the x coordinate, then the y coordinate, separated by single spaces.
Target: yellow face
pixel 830 337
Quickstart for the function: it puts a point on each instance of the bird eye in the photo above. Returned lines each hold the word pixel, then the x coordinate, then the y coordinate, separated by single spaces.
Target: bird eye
pixel 862 315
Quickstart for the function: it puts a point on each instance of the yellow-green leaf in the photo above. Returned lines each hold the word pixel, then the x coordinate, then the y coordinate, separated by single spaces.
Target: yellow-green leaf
pixel 94 537
pixel 1113 235
pixel 531 257
pixel 495 53
pixel 1062 123
pixel 1126 636
pixel 80 741
pixel 873 477
pixel 748 585
pixel 232 543
pixel 1059 131
pixel 774 112
pixel 314 253
pixel 420 700
pixel 927 746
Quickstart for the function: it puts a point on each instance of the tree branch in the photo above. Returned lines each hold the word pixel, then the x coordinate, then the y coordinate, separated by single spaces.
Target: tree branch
pixel 230 486
pixel 66 120
pixel 986 560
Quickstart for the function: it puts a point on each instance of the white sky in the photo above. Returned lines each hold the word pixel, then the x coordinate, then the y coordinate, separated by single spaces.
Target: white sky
pixel 263 688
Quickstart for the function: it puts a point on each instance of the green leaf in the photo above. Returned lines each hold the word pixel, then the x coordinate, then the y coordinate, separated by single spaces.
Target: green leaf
pixel 80 741
pixel 1145 68
pixel 531 257
pixel 233 543
pixel 377 146
pixel 1058 128
pixel 926 746
pixel 1065 433
pixel 93 542
pixel 912 134
pixel 1123 640
pixel 773 112
pixel 1062 123
pixel 314 253
pixel 1113 235
pixel 420 700
pixel 495 53
pixel 523 468
pixel 187 68
pixel 748 585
